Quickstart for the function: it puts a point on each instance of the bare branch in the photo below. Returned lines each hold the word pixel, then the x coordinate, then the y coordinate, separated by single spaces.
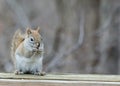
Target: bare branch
pixel 19 12
pixel 104 27
pixel 64 54
pixel 57 59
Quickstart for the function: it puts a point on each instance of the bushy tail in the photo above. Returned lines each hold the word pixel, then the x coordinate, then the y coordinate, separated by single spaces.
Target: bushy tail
pixel 16 41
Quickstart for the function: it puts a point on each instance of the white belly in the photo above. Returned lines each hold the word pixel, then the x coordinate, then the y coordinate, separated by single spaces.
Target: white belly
pixel 28 64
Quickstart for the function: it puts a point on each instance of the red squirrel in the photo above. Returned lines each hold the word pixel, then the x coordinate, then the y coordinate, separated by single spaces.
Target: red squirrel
pixel 27 52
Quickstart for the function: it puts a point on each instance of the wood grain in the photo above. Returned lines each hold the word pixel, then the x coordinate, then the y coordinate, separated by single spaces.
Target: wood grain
pixel 9 79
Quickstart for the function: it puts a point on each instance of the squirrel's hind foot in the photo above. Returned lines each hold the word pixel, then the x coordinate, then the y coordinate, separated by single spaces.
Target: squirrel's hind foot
pixel 18 72
pixel 40 73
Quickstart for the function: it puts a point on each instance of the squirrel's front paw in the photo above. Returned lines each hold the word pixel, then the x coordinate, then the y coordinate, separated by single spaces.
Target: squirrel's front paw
pixel 35 50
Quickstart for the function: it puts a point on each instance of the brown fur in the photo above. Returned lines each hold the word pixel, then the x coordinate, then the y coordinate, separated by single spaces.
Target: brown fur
pixel 35 34
pixel 16 41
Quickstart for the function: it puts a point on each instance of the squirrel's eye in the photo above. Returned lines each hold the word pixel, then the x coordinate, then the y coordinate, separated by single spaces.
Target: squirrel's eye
pixel 31 39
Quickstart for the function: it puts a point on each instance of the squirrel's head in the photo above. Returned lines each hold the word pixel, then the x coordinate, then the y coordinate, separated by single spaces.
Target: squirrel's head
pixel 33 38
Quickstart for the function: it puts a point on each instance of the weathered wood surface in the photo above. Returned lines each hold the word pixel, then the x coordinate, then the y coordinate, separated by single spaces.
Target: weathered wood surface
pixel 9 79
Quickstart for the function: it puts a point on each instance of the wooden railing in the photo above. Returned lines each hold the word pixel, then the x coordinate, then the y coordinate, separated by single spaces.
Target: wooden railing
pixel 9 79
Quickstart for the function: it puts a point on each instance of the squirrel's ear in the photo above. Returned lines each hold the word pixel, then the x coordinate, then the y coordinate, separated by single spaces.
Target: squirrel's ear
pixel 38 29
pixel 28 31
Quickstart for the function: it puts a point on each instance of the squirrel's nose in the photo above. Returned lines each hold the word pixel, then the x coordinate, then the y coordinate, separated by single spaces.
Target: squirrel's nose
pixel 38 45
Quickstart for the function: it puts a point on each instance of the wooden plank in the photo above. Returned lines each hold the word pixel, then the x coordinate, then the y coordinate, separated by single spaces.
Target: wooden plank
pixel 22 82
pixel 9 79
pixel 69 77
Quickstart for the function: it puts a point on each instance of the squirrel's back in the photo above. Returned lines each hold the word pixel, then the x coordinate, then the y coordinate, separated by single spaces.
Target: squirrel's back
pixel 16 41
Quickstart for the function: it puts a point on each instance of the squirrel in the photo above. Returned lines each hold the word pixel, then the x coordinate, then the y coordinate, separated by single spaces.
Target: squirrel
pixel 27 52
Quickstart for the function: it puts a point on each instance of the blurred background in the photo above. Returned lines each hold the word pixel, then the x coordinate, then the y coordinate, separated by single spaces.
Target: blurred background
pixel 80 36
